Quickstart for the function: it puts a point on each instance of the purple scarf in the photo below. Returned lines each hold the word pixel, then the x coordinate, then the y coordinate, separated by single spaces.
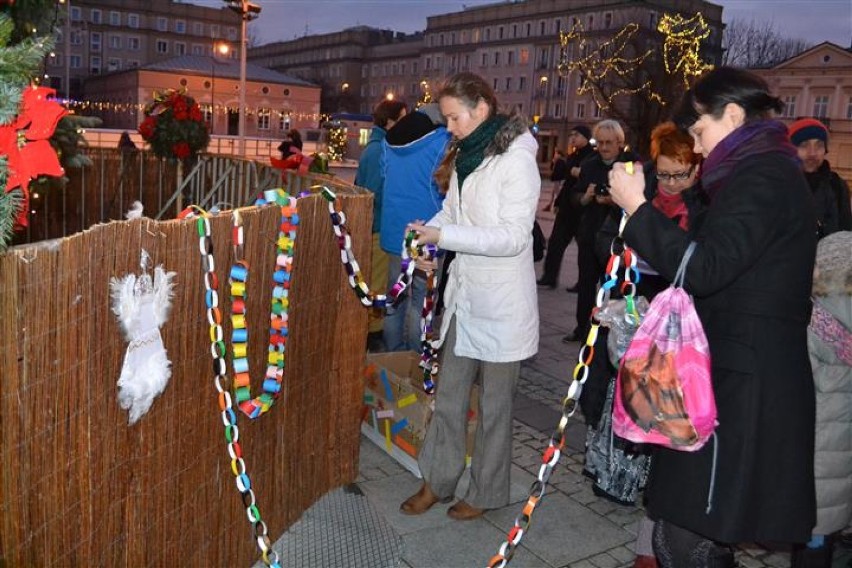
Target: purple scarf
pixel 750 139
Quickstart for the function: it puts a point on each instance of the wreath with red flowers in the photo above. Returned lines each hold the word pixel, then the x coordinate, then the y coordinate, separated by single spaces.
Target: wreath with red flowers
pixel 174 126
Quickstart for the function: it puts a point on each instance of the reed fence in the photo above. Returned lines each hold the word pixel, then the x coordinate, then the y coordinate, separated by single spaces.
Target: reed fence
pixel 78 486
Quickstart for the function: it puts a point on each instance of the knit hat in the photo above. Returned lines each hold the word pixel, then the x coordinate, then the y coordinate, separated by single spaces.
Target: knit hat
pixel 808 129
pixel 833 266
pixel 583 130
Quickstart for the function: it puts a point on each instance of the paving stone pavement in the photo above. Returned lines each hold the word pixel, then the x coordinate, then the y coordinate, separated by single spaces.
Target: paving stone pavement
pixel 571 527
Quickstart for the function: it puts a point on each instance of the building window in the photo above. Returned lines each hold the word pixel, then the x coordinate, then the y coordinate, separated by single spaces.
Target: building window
pixel 820 106
pixel 500 32
pixel 508 84
pixel 522 83
pixel 596 111
pixel 510 57
pixel 113 64
pixel 133 21
pixel 529 29
pixel 162 46
pixel 557 110
pixel 494 84
pixel 541 27
pixel 197 28
pixel 652 20
pixel 524 57
pixel 496 58
pixel 542 60
pixel 180 48
pixel 441 40
pixel 284 121
pixel 76 62
pixel 849 109
pixel 789 106
pixel 263 117
pixel 428 64
pixel 133 43
pixel 484 61
pixel 95 65
pixel 557 26
pixel 95 16
pixel 95 41
pixel 115 18
pixel 114 41
pixel 591 23
pixel 520 108
pixel 76 37
pixel 475 36
pixel 76 14
pixel 581 110
pixel 414 68
pixel 608 20
pixel 132 63
pixel 514 30
pixel 54 60
pixel 162 24
pixel 214 30
pixel 180 26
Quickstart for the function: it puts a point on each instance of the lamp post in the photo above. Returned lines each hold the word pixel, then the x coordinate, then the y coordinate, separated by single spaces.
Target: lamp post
pixel 220 48
pixel 247 11
pixel 67 48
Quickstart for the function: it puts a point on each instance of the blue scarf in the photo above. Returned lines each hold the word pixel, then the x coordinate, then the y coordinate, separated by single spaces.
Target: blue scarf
pixel 749 140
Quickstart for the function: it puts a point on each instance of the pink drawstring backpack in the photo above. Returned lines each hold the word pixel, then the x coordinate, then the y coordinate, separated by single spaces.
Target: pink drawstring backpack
pixel 663 393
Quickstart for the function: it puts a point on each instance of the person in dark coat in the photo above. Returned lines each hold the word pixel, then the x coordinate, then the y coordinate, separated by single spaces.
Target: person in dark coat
pixel 831 193
pixel 596 205
pixel 292 144
pixel 568 209
pixel 750 277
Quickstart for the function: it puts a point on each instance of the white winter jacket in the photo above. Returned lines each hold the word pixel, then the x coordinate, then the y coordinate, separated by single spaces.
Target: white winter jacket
pixel 491 287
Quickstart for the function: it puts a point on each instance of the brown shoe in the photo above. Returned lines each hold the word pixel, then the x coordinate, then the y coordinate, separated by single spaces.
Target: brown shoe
pixel 421 501
pixel 461 511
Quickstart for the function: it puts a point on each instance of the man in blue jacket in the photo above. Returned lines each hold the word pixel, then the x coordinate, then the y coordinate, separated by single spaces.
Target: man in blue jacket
pixel 370 175
pixel 412 153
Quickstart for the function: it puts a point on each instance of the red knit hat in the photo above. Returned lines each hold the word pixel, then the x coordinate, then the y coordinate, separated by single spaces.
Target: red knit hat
pixel 808 129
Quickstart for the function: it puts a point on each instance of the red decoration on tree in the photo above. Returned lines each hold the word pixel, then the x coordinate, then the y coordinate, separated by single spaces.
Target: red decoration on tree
pixel 174 126
pixel 26 143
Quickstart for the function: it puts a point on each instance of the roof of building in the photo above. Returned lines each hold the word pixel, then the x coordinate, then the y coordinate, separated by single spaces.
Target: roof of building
pixel 224 67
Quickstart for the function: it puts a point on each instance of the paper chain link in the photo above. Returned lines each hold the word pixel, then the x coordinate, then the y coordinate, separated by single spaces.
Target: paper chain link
pixel 226 406
pixel 619 253
pixel 278 329
pixel 411 251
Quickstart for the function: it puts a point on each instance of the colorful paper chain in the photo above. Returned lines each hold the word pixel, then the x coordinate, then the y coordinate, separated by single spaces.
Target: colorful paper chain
pixel 619 254
pixel 229 417
pixel 278 329
pixel 411 251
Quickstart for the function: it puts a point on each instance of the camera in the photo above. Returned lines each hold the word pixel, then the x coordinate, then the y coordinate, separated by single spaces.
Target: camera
pixel 602 190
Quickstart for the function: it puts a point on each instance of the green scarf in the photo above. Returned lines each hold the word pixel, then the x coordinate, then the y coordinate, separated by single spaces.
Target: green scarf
pixel 471 149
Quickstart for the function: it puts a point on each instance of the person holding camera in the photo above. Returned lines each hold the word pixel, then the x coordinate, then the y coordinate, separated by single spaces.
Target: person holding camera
pixel 593 188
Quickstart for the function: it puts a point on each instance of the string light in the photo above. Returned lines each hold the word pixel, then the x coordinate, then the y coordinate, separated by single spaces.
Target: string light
pixel 134 108
pixel 682 45
pixel 336 141
pixel 600 65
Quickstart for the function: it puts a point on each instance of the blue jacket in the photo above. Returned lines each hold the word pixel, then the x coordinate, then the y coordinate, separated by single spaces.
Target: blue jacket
pixel 370 174
pixel 410 191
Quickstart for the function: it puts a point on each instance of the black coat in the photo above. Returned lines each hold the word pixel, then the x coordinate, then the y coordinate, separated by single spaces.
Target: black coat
pixel 751 279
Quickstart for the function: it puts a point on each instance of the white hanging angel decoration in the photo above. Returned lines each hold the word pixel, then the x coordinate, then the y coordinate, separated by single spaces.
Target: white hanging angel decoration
pixel 142 306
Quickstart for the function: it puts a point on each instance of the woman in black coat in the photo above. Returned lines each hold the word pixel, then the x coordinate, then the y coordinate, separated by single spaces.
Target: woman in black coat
pixel 751 279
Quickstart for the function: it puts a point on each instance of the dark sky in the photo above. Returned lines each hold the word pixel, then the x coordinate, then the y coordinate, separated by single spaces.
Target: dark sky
pixel 812 20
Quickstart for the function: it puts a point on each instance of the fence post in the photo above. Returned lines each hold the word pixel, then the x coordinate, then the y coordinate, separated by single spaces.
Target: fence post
pixel 179 188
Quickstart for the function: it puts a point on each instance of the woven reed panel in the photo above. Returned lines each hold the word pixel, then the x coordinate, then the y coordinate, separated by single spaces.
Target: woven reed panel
pixel 78 486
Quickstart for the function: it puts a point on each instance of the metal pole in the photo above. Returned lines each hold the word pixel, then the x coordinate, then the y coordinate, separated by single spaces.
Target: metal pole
pixel 68 51
pixel 243 43
pixel 213 93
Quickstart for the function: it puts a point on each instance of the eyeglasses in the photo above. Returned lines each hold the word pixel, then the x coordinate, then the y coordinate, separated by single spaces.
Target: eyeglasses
pixel 679 176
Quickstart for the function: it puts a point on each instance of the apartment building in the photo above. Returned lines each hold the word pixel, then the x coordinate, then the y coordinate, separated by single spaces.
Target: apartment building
pixel 100 36
pixel 817 83
pixel 513 44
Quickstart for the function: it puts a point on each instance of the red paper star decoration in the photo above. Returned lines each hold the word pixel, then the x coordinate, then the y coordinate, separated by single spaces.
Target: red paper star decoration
pixel 25 142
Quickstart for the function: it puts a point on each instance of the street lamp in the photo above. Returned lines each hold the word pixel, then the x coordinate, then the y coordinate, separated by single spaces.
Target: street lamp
pixel 220 48
pixel 247 11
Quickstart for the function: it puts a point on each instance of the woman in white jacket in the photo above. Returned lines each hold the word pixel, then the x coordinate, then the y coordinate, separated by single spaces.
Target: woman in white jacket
pixel 490 320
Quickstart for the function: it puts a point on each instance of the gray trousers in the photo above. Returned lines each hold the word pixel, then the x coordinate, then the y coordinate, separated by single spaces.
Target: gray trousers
pixel 442 458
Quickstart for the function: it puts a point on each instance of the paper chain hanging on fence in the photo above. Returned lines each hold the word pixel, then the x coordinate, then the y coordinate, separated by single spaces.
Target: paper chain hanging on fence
pixel 620 254
pixel 226 405
pixel 411 251
pixel 278 329
pixel 142 306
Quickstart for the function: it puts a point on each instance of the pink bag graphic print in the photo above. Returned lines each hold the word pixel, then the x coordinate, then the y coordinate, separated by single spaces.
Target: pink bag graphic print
pixel 664 394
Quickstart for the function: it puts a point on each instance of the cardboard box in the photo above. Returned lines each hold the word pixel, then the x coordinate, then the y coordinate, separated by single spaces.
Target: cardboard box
pixel 397 411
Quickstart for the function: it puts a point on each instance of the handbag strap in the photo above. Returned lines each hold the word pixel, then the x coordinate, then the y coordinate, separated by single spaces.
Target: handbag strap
pixel 680 275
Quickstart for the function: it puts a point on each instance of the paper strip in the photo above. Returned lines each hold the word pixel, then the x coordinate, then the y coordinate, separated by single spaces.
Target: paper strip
pixel 406 400
pixel 386 382
pixel 384 414
pixel 399 426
